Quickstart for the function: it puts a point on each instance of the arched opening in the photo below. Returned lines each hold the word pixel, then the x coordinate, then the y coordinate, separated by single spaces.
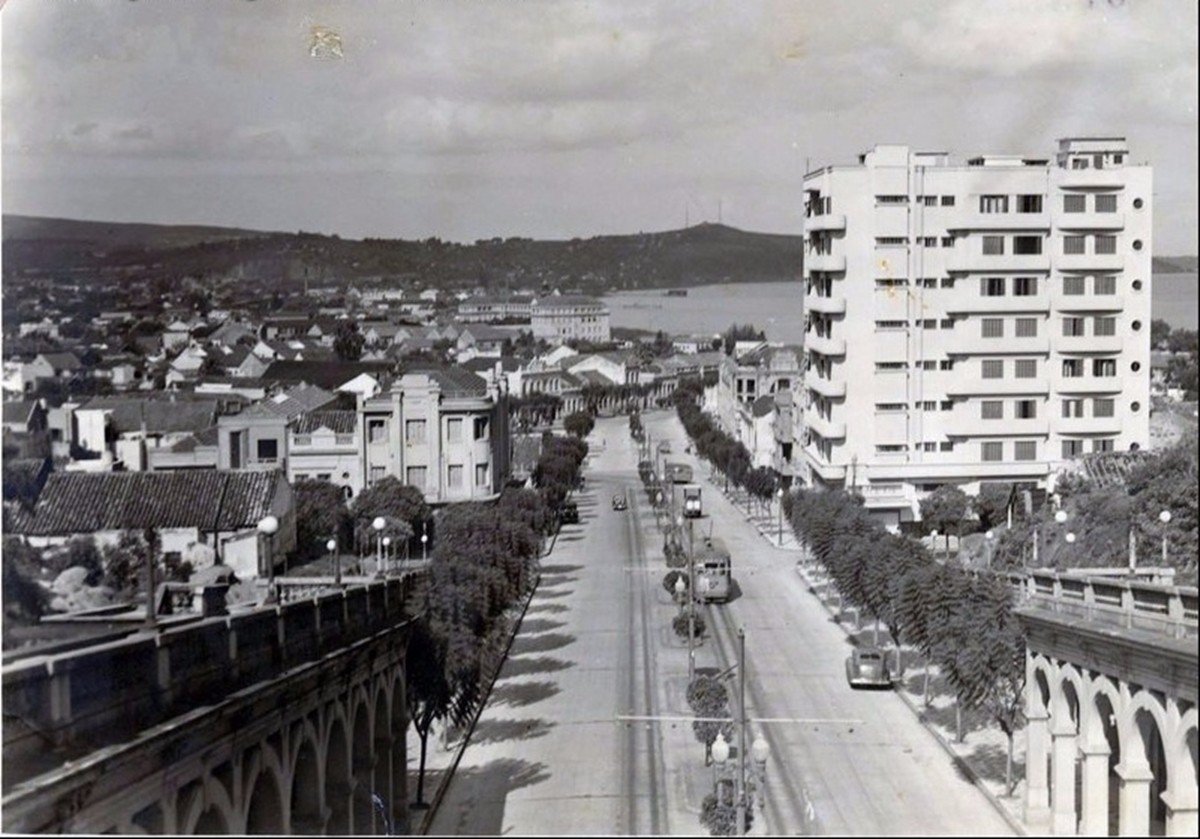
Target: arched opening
pixel 211 823
pixel 264 816
pixel 383 762
pixel 1075 772
pixel 1150 739
pixel 306 791
pixel 363 764
pixel 337 780
pixel 1106 733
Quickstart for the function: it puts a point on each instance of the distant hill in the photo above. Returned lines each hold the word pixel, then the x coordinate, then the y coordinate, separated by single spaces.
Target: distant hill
pixel 1175 264
pixel 697 255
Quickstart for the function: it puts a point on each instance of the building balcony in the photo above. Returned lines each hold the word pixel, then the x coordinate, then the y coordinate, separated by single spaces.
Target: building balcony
pixel 958 470
pixel 828 388
pixel 1107 262
pixel 968 303
pixel 1086 384
pixel 1105 344
pixel 824 346
pixel 968 424
pixel 885 495
pixel 825 262
pixel 1087 302
pixel 829 429
pixel 1091 178
pixel 1090 221
pixel 829 221
pixel 1000 221
pixel 961 262
pixel 825 305
pixel 1089 425
pixel 976 386
pixel 977 345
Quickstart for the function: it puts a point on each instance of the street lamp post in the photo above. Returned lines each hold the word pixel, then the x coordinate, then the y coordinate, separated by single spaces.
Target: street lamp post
pixel 933 534
pixel 1165 518
pixel 691 601
pixel 740 780
pixel 989 539
pixel 424 543
pixel 779 496
pixel 387 551
pixel 267 529
pixel 332 546
pixel 378 524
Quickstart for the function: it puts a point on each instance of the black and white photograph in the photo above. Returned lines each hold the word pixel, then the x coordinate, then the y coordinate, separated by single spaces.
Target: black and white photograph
pixel 600 417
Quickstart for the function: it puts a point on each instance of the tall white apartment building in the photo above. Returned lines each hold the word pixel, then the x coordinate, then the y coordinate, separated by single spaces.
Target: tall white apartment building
pixel 973 323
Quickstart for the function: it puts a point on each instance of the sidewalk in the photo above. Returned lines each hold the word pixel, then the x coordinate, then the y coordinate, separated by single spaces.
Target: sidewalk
pixel 982 756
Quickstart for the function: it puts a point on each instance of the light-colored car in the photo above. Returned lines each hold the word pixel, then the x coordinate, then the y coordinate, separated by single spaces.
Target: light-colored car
pixel 619 502
pixel 868 667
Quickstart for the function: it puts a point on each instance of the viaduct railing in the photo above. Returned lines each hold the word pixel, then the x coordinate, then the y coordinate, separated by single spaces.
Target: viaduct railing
pixel 1126 603
pixel 61 706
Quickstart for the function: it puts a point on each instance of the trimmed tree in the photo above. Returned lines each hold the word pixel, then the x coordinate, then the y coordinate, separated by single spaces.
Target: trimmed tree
pixel 944 508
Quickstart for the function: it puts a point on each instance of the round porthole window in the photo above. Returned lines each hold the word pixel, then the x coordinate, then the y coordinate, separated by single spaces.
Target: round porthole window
pixel 1135 407
pixel 1136 366
pixel 1137 285
pixel 1133 447
pixel 1138 203
pixel 1137 244
pixel 1137 326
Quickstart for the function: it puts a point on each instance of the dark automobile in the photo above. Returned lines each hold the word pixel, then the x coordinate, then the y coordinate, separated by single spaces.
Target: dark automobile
pixel 619 502
pixel 570 513
pixel 868 667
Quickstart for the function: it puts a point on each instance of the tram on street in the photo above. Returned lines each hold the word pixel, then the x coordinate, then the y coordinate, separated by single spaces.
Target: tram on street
pixel 714 571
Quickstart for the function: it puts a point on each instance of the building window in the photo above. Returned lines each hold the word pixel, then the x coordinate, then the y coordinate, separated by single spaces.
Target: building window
pixel 947 282
pixel 1074 245
pixel 929 282
pixel 1071 448
pixel 481 474
pixel 1027 245
pixel 1104 368
pixel 1025 409
pixel 929 241
pixel 376 474
pixel 889 407
pixel 888 366
pixel 324 476
pixel 1073 327
pixel 929 323
pixel 343 439
pixel 1099 446
pixel 947 200
pixel 454 430
pixel 993 203
pixel 267 450
pixel 891 448
pixel 377 431
pixel 891 283
pixel 1074 203
pixel 1025 450
pixel 303 439
pixel 991 409
pixel 891 241
pixel 926 406
pixel 993 246
pixel 890 324
pixel 946 364
pixel 947 323
pixel 1106 244
pixel 992 327
pixel 927 365
pixel 1104 285
pixel 891 199
pixel 993 452
pixel 929 200
pixel 1029 203
pixel 929 447
pixel 1072 368
pixel 991 286
pixel 1026 368
pixel 454 476
pixel 414 432
pixel 1104 327
pixel 1106 203
pixel 1072 408
pixel 1074 286
pixel 1024 286
pixel 481 428
pixel 1103 407
pixel 416 476
pixel 946 405
pixel 993 368
pixel 1079 163
pixel 945 446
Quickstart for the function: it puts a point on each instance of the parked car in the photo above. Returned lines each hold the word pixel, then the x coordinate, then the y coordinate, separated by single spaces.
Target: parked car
pixel 570 513
pixel 868 667
pixel 618 501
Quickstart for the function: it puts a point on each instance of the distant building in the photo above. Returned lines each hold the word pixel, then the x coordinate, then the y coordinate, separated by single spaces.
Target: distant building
pixel 562 318
pixel 973 323
pixel 489 309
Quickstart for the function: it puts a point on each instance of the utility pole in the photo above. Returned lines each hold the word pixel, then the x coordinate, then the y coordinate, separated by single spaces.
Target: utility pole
pixel 740 779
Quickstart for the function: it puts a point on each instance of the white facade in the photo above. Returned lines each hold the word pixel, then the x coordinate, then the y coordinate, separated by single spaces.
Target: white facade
pixel 559 319
pixel 973 323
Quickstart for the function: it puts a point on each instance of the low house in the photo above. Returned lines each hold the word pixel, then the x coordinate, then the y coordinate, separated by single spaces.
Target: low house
pixel 51 365
pixel 219 509
pixel 24 416
pixel 127 428
pixel 482 339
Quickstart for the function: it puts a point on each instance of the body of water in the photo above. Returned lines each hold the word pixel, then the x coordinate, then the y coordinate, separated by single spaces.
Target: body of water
pixel 777 309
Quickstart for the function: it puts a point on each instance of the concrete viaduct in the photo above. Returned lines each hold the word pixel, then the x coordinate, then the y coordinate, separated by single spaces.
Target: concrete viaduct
pixel 274 719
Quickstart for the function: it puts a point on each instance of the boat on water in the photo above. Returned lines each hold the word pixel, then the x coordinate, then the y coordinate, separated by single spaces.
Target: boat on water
pixel 677 292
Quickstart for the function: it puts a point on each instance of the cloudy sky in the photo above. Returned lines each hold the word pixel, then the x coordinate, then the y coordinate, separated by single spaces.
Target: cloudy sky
pixel 467 119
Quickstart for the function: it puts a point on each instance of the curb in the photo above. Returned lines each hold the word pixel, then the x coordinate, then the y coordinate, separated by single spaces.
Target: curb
pixel 448 775
pixel 1016 824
